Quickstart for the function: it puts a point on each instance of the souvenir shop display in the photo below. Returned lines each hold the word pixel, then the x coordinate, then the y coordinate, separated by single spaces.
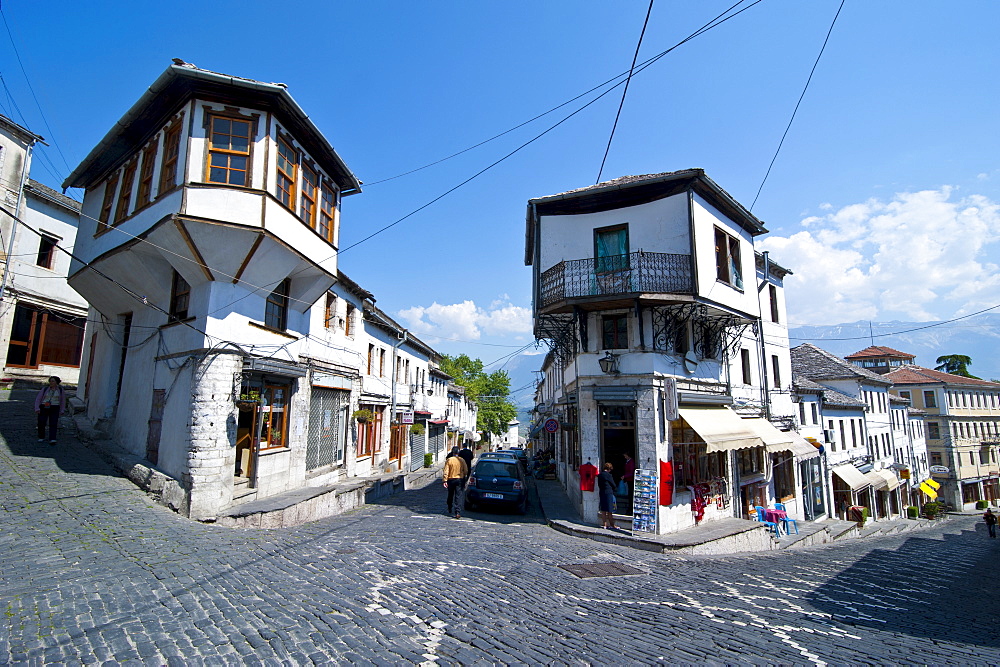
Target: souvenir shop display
pixel 644 502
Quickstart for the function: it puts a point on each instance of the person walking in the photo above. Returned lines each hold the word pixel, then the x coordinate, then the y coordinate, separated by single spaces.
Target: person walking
pixel 454 474
pixel 991 522
pixel 606 497
pixel 466 454
pixel 50 402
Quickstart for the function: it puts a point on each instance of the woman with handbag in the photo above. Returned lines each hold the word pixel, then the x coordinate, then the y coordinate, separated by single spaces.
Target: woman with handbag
pixel 50 402
pixel 606 497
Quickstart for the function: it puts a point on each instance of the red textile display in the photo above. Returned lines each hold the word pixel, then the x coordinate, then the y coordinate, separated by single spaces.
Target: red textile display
pixel 588 473
pixel 666 483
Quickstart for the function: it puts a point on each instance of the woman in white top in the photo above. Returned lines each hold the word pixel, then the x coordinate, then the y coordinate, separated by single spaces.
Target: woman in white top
pixel 49 404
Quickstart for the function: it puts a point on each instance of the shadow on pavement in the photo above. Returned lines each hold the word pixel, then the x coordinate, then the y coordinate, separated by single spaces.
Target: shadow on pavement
pixel 957 578
pixel 18 429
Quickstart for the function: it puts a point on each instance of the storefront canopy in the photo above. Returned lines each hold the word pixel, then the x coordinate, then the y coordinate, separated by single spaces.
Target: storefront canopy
pixel 782 441
pixel 889 477
pixel 853 477
pixel 721 428
pixel 878 482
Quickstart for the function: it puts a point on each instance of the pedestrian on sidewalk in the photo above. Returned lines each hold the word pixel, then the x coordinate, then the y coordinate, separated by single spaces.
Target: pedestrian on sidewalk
pixel 606 493
pixel 991 522
pixel 454 474
pixel 50 402
pixel 466 454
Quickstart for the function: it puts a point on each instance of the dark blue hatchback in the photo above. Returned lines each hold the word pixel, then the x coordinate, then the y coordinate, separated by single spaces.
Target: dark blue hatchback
pixel 497 483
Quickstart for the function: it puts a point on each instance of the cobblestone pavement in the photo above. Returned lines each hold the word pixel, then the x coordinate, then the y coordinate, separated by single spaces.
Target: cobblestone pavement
pixel 93 572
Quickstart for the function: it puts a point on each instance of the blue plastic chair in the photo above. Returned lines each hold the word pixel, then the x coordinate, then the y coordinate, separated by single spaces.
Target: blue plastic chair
pixel 786 521
pixel 769 524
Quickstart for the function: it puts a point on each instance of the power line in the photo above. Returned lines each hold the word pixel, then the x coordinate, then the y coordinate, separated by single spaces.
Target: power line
pixel 796 109
pixel 624 92
pixel 899 333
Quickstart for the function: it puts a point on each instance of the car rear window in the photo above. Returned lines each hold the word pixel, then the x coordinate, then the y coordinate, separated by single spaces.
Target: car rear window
pixel 496 469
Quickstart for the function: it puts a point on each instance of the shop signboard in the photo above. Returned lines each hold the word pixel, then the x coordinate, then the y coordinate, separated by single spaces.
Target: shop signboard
pixel 644 502
pixel 406 417
pixel 940 470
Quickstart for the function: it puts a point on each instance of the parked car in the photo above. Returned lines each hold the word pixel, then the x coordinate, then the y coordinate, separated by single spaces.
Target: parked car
pixel 497 481
pixel 500 455
pixel 522 455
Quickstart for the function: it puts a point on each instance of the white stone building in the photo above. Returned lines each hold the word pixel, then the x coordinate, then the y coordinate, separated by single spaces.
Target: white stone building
pixel 668 343
pixel 42 320
pixel 233 354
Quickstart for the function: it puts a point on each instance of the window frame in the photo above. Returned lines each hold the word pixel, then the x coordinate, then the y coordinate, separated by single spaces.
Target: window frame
pixel 276 306
pixel 125 192
pixel 47 245
pixel 930 399
pixel 772 293
pixel 728 261
pixel 144 195
pixel 329 310
pixel 775 372
pixel 211 150
pixel 285 196
pixel 180 293
pixel 309 204
pixel 327 210
pixel 616 333
pixel 108 202
pixel 170 157
pixel 607 263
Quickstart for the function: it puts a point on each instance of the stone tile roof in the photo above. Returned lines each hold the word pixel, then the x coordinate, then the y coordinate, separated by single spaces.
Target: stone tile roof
pixel 914 374
pixel 831 397
pixel 809 361
pixel 50 194
pixel 879 351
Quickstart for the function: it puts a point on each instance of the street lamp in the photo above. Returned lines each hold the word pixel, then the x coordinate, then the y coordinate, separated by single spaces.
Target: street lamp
pixel 609 364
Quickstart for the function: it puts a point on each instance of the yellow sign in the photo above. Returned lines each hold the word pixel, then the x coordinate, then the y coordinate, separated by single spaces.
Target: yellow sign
pixel 904 473
pixel 928 490
pixel 931 483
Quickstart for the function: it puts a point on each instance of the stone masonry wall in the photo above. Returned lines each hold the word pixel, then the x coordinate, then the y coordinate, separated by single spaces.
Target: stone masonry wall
pixel 212 445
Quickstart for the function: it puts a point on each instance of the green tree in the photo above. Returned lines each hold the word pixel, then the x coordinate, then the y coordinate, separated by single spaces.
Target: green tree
pixel 489 391
pixel 956 364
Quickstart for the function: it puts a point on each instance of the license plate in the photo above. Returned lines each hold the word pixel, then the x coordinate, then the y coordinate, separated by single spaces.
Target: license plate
pixel 495 496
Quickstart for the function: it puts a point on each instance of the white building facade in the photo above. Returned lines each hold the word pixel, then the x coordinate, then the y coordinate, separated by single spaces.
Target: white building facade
pixel 655 306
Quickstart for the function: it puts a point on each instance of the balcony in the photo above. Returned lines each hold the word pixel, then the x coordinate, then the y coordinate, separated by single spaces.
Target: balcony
pixel 637 272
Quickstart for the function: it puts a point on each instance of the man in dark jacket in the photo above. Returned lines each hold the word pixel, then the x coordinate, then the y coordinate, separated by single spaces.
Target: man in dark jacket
pixel 991 522
pixel 466 454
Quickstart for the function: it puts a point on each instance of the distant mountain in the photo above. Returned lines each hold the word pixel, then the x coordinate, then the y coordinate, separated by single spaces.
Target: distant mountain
pixel 977 337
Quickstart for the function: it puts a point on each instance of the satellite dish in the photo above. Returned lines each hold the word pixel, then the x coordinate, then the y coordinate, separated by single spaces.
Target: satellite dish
pixel 690 362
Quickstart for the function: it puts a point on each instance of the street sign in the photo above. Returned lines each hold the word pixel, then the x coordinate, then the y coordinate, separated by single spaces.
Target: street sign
pixel 940 470
pixel 551 425
pixel 670 399
pixel 406 418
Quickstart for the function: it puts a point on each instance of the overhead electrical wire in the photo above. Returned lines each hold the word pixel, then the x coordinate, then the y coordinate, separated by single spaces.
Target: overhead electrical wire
pixel 624 92
pixel 905 331
pixel 796 109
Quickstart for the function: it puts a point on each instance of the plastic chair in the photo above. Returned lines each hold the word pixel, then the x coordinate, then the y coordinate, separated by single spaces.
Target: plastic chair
pixel 769 524
pixel 786 521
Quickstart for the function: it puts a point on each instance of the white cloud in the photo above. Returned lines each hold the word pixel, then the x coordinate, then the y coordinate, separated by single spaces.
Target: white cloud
pixel 466 321
pixel 921 256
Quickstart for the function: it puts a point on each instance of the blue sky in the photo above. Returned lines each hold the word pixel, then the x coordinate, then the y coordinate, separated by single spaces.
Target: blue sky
pixel 883 200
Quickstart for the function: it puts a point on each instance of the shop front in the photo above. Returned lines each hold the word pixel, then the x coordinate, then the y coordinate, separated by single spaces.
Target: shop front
pixel 849 483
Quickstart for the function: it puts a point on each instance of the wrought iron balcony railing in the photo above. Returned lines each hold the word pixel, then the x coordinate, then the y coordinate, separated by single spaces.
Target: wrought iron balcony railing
pixel 650 272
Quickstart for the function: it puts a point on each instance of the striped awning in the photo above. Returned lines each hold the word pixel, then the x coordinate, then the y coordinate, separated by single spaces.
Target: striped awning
pixel 853 477
pixel 722 429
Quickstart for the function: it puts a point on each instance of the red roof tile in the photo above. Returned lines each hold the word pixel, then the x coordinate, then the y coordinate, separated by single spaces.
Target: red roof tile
pixel 920 375
pixel 879 351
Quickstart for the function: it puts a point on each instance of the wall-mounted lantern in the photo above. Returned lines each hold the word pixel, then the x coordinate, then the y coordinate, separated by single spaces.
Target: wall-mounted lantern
pixel 609 364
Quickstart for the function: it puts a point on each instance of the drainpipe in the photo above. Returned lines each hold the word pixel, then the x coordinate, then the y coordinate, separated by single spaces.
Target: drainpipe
pixel 13 222
pixel 395 372
pixel 765 394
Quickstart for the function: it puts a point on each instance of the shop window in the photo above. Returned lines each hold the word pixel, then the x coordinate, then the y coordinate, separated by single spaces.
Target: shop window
pixel 692 462
pixel 274 416
pixel 180 295
pixel 287 165
pixel 44 337
pixel 784 477
pixel 370 432
pixel 276 308
pixel 46 251
pixel 229 151
pixel 614 330
pixel 728 265
pixel 750 461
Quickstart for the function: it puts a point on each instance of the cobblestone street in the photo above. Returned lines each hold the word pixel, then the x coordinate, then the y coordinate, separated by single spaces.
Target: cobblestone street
pixel 92 571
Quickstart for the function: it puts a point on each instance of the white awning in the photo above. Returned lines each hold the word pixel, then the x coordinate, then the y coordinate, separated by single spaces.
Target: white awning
pixel 889 477
pixel 802 448
pixel 721 428
pixel 782 441
pixel 877 481
pixel 851 475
